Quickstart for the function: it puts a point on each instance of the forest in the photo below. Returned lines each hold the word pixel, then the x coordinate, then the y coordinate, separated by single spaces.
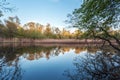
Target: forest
pixel 11 28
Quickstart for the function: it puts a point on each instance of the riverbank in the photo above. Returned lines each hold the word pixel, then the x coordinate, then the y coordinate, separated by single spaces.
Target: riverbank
pixel 52 41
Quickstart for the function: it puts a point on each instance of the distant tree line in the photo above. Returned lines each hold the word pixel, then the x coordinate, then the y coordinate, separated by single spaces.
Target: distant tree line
pixel 11 28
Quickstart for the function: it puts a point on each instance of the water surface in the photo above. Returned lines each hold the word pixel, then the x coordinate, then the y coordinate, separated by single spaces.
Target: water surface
pixel 58 63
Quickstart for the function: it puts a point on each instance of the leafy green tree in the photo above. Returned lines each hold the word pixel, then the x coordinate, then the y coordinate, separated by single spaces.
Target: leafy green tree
pixel 97 18
pixel 12 27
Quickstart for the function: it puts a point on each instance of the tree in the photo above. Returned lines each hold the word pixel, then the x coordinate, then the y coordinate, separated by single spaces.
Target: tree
pixel 12 26
pixel 4 7
pixel 97 18
pixel 2 30
pixel 65 34
pixel 57 32
pixel 78 34
pixel 48 31
pixel 39 27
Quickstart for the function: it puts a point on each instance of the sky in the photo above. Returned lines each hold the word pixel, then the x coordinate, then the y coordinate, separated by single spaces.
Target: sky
pixel 43 11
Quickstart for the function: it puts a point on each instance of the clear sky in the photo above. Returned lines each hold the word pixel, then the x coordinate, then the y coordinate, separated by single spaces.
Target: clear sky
pixel 44 11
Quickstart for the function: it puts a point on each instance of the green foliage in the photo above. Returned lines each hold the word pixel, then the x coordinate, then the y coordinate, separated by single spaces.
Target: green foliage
pixel 97 16
pixel 11 29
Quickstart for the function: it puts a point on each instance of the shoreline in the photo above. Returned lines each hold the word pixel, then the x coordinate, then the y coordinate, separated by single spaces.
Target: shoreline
pixel 54 41
pixel 49 41
pixel 50 45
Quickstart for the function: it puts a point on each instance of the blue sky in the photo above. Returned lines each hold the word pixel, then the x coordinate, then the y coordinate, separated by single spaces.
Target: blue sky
pixel 44 11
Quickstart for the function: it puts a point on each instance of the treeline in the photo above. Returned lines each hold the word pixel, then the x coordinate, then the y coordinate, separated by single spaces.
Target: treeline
pixel 11 28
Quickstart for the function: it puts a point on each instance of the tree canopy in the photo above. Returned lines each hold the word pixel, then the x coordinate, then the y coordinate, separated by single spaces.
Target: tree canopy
pixel 97 18
pixel 94 14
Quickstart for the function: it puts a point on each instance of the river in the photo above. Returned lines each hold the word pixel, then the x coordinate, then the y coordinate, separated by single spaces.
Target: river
pixel 58 62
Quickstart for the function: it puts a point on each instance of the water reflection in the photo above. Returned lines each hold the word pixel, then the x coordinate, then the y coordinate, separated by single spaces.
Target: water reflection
pixel 36 52
pixel 10 70
pixel 99 66
pixel 14 61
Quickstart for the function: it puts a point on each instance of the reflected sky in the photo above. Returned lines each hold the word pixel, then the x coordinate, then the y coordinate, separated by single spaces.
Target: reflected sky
pixel 47 69
pixel 38 62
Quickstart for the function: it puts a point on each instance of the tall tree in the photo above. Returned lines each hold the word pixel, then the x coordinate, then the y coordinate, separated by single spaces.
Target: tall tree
pixel 98 18
pixel 57 32
pixel 48 31
pixel 12 26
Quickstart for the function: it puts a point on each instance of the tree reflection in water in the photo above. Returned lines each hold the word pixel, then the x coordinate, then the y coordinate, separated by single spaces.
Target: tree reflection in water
pixel 99 66
pixel 9 65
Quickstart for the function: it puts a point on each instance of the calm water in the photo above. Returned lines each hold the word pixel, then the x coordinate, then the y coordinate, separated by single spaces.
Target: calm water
pixel 58 63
